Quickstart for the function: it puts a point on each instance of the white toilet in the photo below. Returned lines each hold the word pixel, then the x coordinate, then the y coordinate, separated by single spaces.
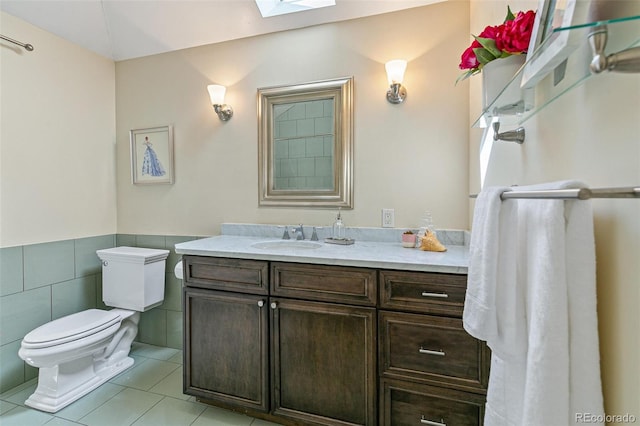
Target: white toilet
pixel 79 352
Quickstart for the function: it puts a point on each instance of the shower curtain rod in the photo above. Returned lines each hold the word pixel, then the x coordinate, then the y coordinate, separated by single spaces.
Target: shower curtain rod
pixel 25 45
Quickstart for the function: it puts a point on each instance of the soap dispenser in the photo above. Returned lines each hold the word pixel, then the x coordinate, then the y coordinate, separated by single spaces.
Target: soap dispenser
pixel 338 228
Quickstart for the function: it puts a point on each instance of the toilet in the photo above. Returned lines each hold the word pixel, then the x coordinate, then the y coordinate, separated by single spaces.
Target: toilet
pixel 79 352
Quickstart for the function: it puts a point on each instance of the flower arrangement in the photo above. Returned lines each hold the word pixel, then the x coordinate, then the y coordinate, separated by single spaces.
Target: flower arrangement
pixel 510 38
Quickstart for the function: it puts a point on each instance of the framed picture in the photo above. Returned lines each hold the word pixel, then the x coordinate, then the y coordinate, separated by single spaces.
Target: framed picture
pixel 553 47
pixel 152 155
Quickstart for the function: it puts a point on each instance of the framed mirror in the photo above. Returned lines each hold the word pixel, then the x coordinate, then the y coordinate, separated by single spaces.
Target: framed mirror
pixel 305 144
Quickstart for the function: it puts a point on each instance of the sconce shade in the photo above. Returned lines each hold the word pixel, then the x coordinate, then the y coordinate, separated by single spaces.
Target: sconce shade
pixel 216 93
pixel 395 74
pixel 395 71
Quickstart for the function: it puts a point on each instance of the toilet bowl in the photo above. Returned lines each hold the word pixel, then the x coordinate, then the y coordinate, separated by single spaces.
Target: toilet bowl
pixel 79 352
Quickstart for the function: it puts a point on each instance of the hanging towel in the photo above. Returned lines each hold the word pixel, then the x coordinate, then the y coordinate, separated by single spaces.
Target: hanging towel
pixel 494 311
pixel 543 333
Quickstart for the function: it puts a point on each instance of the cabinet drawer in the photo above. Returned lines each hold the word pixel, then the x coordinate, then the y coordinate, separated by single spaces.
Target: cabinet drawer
pixel 324 283
pixel 423 292
pixel 409 404
pixel 244 276
pixel 431 349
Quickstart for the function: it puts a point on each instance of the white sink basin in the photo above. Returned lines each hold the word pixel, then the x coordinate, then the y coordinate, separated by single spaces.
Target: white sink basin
pixel 286 245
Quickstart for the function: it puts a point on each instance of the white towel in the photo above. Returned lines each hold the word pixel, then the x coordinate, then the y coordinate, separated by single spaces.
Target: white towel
pixel 494 310
pixel 545 365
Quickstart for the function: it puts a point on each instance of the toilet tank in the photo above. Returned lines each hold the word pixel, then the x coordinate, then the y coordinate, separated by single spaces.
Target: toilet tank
pixel 133 277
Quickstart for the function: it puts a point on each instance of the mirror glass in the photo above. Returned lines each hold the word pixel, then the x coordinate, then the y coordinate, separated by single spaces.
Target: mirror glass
pixel 305 144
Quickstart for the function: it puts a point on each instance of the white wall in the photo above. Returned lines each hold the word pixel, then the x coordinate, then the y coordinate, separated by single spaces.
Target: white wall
pixel 592 134
pixel 411 157
pixel 57 139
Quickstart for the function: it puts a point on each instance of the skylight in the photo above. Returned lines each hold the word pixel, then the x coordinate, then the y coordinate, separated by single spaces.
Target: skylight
pixel 280 7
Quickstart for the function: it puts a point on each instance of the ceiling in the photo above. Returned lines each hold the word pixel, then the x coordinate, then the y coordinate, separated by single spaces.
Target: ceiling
pixel 126 29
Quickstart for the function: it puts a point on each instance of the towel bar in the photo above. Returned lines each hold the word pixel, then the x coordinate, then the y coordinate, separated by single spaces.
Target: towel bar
pixel 569 194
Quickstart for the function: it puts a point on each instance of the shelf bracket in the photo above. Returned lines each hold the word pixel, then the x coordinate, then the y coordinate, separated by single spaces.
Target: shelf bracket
pixel 516 135
pixel 627 60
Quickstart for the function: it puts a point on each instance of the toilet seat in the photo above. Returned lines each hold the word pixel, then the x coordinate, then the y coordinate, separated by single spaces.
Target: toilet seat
pixel 70 328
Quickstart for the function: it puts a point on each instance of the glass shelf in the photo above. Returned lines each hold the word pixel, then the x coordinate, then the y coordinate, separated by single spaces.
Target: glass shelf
pixel 623 33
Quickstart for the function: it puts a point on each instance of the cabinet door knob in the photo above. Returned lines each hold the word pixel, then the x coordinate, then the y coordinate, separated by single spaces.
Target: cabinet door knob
pixel 431 423
pixel 438 295
pixel 260 303
pixel 430 352
pixel 274 305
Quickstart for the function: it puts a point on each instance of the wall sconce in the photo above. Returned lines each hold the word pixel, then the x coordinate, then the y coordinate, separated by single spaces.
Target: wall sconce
pixel 216 93
pixel 395 75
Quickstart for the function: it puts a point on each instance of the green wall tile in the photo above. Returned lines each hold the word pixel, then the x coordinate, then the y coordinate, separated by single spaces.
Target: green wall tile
pixel 11 276
pixel 22 312
pixel 171 242
pixel 73 296
pixel 174 329
pixel 86 260
pixel 12 372
pixel 30 372
pixel 48 263
pixel 153 327
pixel 151 241
pixel 172 293
pixel 99 303
pixel 125 240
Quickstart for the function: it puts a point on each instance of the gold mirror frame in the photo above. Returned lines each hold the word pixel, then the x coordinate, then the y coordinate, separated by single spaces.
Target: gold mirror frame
pixel 341 195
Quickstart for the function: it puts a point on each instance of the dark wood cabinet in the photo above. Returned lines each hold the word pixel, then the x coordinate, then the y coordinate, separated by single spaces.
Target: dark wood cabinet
pixel 304 344
pixel 303 348
pixel 226 347
pixel 323 362
pixel 409 404
pixel 432 372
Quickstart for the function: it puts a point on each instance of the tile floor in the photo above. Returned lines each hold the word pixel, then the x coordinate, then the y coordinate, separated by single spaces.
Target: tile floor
pixel 149 393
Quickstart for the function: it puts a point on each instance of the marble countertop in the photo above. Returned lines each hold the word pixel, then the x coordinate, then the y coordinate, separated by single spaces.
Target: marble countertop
pixel 363 253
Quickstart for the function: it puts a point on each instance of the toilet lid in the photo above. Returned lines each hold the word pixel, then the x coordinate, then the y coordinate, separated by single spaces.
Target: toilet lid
pixel 71 327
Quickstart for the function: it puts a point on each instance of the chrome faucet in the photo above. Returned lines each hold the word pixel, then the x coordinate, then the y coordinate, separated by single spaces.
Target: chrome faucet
pixel 299 232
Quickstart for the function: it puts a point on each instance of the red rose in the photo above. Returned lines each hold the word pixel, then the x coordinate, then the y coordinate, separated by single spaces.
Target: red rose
pixel 468 60
pixel 491 32
pixel 510 38
pixel 516 34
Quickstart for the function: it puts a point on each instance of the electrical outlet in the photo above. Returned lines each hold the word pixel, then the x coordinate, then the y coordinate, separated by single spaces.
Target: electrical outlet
pixel 388 219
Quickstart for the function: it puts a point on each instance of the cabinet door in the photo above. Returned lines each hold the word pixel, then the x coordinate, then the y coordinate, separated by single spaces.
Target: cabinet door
pixel 226 347
pixel 324 362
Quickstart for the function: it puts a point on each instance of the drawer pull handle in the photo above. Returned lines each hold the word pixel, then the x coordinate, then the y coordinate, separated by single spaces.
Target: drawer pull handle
pixel 430 423
pixel 430 352
pixel 438 295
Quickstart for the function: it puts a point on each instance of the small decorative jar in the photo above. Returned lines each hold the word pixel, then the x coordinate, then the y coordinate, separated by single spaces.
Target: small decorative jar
pixel 408 239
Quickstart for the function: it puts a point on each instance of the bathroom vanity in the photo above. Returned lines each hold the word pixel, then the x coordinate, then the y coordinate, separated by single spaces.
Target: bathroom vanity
pixel 356 335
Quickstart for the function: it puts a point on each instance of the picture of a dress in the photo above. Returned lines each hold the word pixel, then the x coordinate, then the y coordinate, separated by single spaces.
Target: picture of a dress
pixel 150 163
